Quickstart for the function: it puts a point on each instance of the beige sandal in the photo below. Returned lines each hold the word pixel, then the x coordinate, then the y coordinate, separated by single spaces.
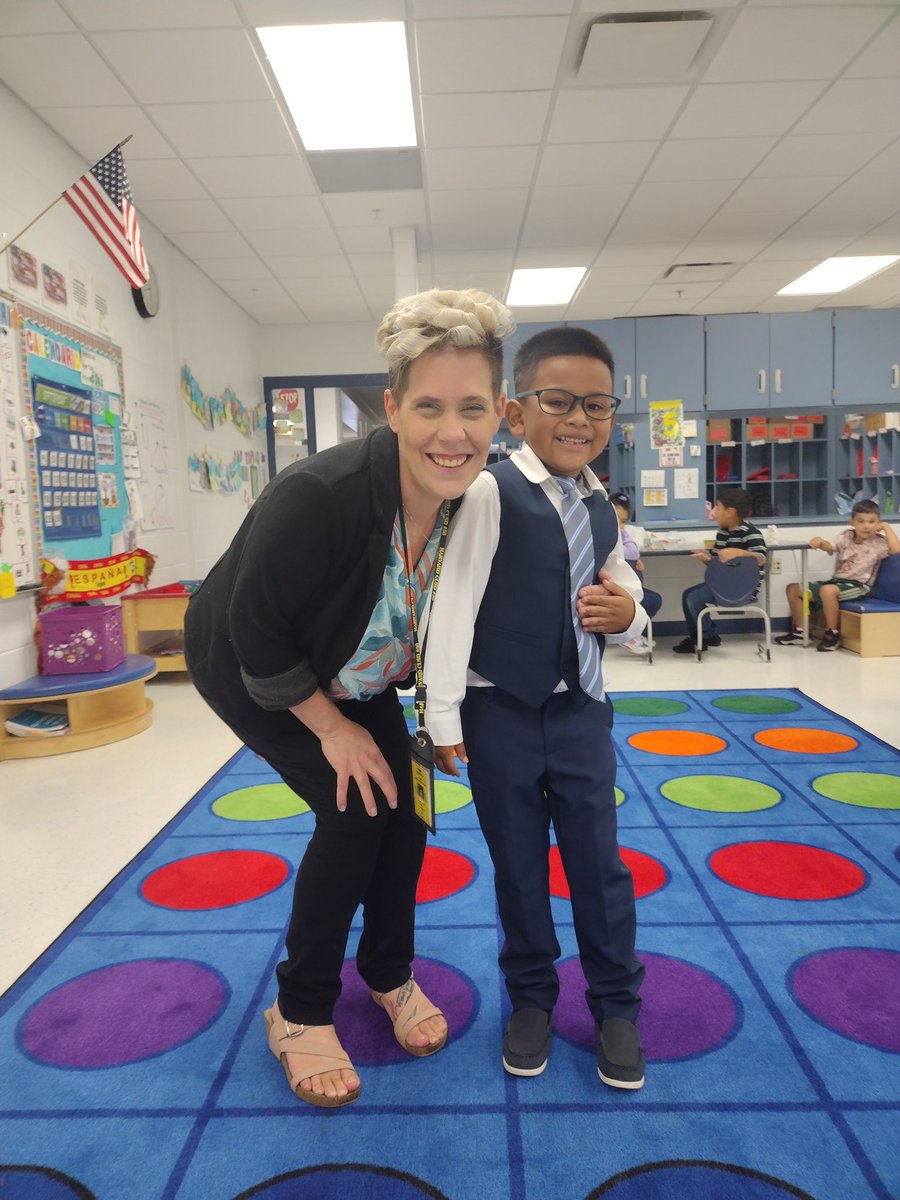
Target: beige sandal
pixel 315 1059
pixel 416 1009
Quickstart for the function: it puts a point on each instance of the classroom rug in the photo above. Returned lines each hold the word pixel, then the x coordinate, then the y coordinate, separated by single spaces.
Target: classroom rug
pixel 763 832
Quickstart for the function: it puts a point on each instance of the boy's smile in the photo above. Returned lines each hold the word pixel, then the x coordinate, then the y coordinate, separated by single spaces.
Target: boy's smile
pixel 564 444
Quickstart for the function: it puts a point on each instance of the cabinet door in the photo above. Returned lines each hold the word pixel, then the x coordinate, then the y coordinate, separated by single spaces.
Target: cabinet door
pixel 801 359
pixel 669 361
pixel 618 333
pixel 737 362
pixel 520 334
pixel 867 356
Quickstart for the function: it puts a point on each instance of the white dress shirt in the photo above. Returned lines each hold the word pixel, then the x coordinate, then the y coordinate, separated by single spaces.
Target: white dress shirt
pixel 474 534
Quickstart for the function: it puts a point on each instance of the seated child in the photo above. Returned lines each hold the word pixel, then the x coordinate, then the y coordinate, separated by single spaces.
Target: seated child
pixel 859 551
pixel 530 716
pixel 736 538
pixel 652 601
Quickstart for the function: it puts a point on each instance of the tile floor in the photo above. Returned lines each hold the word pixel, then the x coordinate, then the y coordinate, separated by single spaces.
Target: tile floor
pixel 69 823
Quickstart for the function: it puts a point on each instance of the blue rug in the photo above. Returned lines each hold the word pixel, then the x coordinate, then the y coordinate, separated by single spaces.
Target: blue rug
pixel 763 833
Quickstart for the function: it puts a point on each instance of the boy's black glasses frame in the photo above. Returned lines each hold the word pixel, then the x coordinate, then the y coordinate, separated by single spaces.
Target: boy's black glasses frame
pixel 557 402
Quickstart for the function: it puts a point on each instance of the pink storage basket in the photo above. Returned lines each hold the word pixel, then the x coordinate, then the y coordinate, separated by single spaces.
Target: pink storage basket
pixel 81 638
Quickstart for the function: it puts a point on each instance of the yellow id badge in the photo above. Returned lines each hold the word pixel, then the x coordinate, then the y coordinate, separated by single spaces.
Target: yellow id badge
pixel 421 761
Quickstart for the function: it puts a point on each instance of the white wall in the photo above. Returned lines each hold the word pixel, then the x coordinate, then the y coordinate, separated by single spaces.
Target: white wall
pixel 320 349
pixel 197 324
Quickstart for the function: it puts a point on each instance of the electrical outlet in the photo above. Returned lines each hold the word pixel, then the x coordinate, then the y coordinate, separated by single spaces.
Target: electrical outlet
pixel 775 568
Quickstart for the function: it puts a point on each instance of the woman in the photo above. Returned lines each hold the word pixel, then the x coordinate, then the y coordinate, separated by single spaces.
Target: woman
pixel 298 639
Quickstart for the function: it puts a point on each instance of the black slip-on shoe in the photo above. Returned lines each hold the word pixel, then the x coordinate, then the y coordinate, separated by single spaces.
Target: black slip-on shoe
pixel 526 1042
pixel 620 1056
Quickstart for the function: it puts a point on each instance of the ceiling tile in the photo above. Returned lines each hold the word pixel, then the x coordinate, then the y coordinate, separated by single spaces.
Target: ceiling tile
pixel 161 14
pixel 212 245
pixel 733 250
pixel 557 256
pixel 640 254
pixel 492 119
pixel 477 206
pixel 793 43
pixel 727 226
pixel 364 239
pixel 792 247
pixel 428 9
pixel 472 260
pixel 320 289
pixel 375 208
pixel 34 16
pixel 480 167
pixel 744 109
pixel 231 269
pixel 614 114
pixel 309 266
pixel 261 175
pixel 270 243
pixel 489 55
pixel 821 154
pixel 772 272
pixel 604 277
pixel 566 215
pixel 186 66
pixel 780 195
pixel 74 71
pixel 218 130
pixel 594 163
pixel 94 131
pixel 311 12
pixel 163 179
pixel 880 57
pixel 855 106
pixel 708 158
pixel 185 216
pixel 277 212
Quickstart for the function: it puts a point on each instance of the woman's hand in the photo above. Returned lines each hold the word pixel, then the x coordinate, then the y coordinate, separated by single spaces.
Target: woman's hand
pixel 352 752
pixel 445 758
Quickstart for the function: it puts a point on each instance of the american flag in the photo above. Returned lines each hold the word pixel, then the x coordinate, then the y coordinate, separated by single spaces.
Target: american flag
pixel 102 198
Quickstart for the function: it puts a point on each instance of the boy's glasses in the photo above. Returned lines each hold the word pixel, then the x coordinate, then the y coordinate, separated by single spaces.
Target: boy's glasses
pixel 556 402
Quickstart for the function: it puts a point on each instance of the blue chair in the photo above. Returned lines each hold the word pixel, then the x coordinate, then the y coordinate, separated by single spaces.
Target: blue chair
pixel 734 586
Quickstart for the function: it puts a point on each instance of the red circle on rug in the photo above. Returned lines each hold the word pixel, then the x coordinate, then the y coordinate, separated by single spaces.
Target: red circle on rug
pixel 787 870
pixel 806 741
pixel 648 872
pixel 681 743
pixel 444 872
pixel 215 880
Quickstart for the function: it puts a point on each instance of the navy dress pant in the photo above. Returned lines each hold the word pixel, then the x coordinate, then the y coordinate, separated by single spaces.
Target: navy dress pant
pixel 530 768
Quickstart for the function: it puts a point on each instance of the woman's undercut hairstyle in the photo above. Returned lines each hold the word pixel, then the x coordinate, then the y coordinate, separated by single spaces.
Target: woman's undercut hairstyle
pixel 437 320
pixel 561 341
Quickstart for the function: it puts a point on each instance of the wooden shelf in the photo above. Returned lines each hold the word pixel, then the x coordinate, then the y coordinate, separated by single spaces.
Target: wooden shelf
pixel 145 613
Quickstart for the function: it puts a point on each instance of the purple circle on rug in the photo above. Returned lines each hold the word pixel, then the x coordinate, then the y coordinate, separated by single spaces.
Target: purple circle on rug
pixel 123 1013
pixel 686 1011
pixel 366 1033
pixel 854 992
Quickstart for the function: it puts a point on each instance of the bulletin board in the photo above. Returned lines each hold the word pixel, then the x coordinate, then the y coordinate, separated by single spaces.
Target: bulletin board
pixel 70 402
pixel 18 540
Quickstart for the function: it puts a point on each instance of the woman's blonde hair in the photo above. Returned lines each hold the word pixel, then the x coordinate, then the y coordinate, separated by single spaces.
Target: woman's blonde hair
pixel 438 319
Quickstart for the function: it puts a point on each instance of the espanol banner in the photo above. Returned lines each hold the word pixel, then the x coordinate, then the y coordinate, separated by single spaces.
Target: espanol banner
pixel 94 578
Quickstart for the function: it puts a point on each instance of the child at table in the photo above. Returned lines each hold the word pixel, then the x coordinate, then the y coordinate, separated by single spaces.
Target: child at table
pixel 859 551
pixel 652 601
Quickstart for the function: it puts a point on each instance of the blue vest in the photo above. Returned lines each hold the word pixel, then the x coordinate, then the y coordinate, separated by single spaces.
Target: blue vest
pixel 524 639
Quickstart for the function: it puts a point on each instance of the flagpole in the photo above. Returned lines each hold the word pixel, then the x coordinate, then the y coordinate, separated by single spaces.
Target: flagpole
pixel 13 240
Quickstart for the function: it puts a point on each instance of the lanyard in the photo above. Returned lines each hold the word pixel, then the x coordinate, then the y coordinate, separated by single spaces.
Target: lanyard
pixel 411 603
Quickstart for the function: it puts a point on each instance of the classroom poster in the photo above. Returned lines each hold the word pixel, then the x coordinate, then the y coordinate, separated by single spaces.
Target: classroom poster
pixel 18 555
pixel 666 423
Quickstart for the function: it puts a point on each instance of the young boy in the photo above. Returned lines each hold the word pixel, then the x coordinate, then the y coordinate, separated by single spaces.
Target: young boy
pixel 534 723
pixel 859 551
pixel 736 538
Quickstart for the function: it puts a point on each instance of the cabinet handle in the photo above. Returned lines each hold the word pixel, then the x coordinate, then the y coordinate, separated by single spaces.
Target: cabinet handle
pixel 778 380
pixel 761 385
pixel 895 376
pixel 643 386
pixel 627 391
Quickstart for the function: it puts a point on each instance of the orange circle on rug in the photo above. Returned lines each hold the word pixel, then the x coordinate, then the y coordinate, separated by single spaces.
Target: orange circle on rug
pixel 444 872
pixel 806 741
pixel 219 879
pixel 681 743
pixel 648 872
pixel 787 870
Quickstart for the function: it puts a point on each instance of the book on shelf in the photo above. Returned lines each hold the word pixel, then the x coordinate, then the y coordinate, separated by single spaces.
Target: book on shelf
pixel 38 722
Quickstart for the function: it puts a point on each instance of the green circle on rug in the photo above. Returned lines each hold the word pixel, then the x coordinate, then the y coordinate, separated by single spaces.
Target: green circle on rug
pixel 720 793
pixel 265 802
pixel 651 706
pixel 764 705
pixel 863 789
pixel 620 797
pixel 448 797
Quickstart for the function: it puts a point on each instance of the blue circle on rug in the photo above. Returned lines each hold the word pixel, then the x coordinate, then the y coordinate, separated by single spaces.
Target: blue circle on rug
pixel 695 1179
pixel 40 1183
pixel 349 1181
pixel 366 1032
pixel 685 1012
pixel 854 991
pixel 123 1013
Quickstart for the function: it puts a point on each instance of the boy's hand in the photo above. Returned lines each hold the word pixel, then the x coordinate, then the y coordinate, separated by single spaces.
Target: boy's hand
pixel 445 758
pixel 605 607
pixel 730 553
pixel 640 564
pixel 818 543
pixel 703 555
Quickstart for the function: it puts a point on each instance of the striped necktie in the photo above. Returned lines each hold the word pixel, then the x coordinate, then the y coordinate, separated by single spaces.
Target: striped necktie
pixel 577 526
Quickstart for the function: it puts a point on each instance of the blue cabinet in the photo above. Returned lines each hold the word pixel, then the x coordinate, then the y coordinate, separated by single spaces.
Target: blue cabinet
pixel 768 360
pixel 668 357
pixel 520 334
pixel 618 333
pixel 867 357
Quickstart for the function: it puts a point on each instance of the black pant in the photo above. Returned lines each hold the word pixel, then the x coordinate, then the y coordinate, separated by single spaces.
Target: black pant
pixel 352 859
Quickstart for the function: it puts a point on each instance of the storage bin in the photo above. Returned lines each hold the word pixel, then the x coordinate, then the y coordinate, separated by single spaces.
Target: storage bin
pixel 81 638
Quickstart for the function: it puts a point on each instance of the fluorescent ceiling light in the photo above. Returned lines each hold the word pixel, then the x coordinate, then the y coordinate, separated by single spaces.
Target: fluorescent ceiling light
pixel 536 286
pixel 347 86
pixel 838 274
